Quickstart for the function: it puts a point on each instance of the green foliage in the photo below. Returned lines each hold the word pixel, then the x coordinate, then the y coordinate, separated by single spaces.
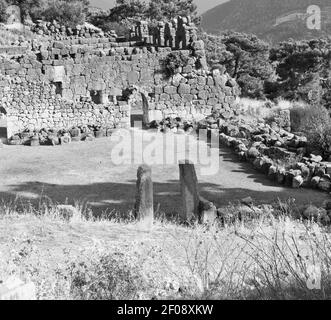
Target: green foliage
pixel 300 67
pixel 8 37
pixel 292 70
pixel 315 123
pixel 170 9
pixel 29 7
pixel 102 21
pixel 174 62
pixel 245 58
pixel 121 17
pixel 66 12
pixel 125 11
pixel 114 276
pixel 3 6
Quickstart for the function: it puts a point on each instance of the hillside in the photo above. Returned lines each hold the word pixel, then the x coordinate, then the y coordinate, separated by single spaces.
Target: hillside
pixel 260 17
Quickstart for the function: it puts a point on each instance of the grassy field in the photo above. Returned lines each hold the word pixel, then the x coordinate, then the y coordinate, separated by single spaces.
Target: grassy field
pixel 273 257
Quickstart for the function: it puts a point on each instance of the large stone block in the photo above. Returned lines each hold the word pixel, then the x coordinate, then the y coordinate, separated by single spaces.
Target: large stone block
pixel 184 88
pixel 189 190
pixel 155 115
pixel 144 209
pixel 170 89
pixel 146 75
pixel 133 77
pixel 58 73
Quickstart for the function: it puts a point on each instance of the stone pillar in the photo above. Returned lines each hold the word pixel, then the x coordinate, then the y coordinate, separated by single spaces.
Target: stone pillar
pixel 189 190
pixel 145 109
pixel 161 28
pixel 143 210
pixel 143 32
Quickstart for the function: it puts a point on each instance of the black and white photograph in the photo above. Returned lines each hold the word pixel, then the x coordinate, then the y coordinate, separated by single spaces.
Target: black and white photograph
pixel 167 156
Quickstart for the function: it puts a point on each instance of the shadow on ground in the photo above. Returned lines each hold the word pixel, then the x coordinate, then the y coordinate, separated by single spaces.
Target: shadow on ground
pixel 120 197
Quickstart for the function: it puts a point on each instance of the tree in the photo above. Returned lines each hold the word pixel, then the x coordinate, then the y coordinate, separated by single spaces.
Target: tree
pixel 66 12
pixel 3 6
pixel 120 18
pixel 125 9
pixel 169 9
pixel 31 8
pixel 245 57
pixel 303 68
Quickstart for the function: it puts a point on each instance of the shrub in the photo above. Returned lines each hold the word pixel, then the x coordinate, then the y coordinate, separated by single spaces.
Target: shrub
pixel 69 13
pixel 112 276
pixel 245 57
pixel 3 15
pixel 314 122
pixel 174 62
pixel 121 28
pixel 12 36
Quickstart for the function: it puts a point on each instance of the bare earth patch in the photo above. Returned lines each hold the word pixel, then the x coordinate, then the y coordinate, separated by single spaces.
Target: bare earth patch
pixel 84 172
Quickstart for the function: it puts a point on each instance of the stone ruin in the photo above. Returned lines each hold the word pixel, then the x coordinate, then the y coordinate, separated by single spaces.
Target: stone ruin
pixel 76 77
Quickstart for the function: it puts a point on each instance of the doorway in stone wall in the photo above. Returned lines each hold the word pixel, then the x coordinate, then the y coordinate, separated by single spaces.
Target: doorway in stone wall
pixel 3 125
pixel 139 105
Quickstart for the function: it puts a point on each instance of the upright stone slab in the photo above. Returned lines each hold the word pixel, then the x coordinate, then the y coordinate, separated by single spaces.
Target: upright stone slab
pixel 189 190
pixel 144 211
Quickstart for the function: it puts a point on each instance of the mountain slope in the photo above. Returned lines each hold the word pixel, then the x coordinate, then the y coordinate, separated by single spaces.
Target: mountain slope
pixel 260 17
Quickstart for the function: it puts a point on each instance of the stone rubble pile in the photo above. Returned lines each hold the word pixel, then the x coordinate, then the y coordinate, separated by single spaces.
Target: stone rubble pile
pixel 247 211
pixel 55 29
pixel 56 137
pixel 175 125
pixel 285 157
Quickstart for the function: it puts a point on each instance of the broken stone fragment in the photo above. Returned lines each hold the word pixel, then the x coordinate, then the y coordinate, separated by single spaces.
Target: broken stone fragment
pixel 34 141
pixel 297 182
pixel 247 201
pixel 253 153
pixel 65 139
pixel 315 181
pixel 272 173
pixel 207 212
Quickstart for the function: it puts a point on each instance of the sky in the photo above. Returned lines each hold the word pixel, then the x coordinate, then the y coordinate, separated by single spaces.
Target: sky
pixel 203 5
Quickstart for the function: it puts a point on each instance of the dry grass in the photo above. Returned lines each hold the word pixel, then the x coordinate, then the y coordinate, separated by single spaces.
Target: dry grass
pixel 13 36
pixel 264 109
pixel 270 257
pixel 315 123
pixel 259 109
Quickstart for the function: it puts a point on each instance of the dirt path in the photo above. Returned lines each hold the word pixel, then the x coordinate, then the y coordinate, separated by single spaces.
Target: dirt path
pixel 86 171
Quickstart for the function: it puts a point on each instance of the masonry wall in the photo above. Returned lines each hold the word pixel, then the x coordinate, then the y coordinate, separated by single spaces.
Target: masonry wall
pixel 58 84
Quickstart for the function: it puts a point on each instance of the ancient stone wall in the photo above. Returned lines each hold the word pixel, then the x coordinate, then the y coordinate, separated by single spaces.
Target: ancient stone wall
pixel 74 81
